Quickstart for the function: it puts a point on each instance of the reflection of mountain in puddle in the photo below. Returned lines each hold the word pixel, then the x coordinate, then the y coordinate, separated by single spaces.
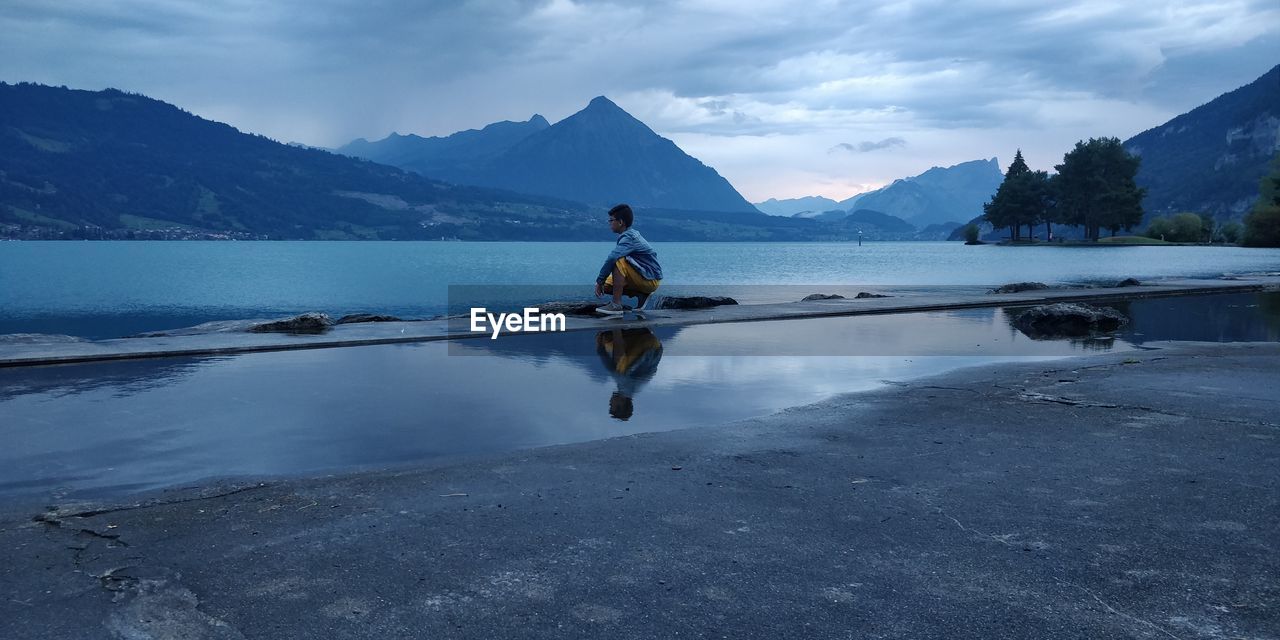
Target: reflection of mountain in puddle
pixel 631 356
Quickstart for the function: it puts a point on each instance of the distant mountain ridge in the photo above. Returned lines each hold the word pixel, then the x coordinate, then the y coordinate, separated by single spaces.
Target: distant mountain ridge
pixel 440 157
pixel 830 214
pixel 1211 159
pixel 117 165
pixel 600 155
pixel 80 163
pixel 792 206
pixel 868 224
pixel 939 195
pixel 114 165
pixel 880 220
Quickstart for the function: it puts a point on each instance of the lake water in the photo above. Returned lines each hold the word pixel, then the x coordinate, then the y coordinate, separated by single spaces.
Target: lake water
pixel 112 289
pixel 110 429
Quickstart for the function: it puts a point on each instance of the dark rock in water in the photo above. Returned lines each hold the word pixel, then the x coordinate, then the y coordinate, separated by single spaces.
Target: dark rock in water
pixel 1129 282
pixel 862 295
pixel 1019 286
pixel 693 302
pixel 354 318
pixel 313 322
pixel 1068 319
pixel 822 296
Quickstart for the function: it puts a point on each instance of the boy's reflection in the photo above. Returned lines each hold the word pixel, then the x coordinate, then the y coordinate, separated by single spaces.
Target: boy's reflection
pixel 631 356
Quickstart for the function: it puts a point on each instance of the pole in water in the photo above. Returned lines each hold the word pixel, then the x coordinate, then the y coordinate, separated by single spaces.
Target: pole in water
pixel 859 237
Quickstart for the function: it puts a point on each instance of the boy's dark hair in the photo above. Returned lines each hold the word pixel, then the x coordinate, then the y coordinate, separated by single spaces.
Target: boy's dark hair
pixel 621 407
pixel 623 212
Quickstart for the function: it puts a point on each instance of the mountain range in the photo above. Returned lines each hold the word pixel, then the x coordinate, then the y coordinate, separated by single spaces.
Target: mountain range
pixel 876 225
pixel 111 164
pixel 442 157
pixel 811 205
pixel 1211 159
pixel 938 196
pixel 114 164
pixel 600 155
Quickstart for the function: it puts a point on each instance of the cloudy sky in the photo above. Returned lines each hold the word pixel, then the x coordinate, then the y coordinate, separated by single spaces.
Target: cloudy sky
pixel 785 98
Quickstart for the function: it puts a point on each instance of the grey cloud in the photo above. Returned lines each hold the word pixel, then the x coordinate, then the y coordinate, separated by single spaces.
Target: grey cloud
pixel 867 146
pixel 715 107
pixel 365 68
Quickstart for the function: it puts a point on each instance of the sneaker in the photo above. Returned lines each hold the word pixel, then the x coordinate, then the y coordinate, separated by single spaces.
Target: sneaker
pixel 611 309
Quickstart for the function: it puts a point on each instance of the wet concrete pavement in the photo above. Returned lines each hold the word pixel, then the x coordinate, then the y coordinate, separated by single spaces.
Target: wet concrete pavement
pixel 42 352
pixel 1121 495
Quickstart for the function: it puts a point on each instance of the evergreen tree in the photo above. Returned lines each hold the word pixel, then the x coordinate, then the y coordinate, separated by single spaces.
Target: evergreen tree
pixel 1022 199
pixel 1096 188
pixel 1040 198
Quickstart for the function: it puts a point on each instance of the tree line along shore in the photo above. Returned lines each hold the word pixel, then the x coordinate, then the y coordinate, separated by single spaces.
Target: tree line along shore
pixel 1094 189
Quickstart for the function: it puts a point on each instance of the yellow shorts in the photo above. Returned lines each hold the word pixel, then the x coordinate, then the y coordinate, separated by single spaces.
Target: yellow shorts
pixel 635 282
pixel 636 345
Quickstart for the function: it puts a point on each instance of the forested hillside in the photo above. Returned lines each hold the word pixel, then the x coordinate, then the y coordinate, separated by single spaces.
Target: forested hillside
pixel 1210 159
pixel 114 164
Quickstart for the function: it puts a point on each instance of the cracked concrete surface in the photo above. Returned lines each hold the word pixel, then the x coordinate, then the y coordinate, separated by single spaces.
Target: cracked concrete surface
pixel 1117 496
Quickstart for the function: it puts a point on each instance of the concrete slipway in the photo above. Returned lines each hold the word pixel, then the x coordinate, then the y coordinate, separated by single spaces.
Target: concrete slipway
pixel 222 343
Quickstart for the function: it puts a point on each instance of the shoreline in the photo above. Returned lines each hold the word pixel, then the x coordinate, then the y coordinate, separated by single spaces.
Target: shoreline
pixel 1071 498
pixel 52 353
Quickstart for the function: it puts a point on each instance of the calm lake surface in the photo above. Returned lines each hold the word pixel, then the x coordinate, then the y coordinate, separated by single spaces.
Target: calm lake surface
pixel 113 289
pixel 111 429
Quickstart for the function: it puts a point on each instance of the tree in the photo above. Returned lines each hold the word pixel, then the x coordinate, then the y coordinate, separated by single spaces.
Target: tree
pixel 1022 198
pixel 971 233
pixel 1231 232
pixel 1207 225
pixel 1095 187
pixel 1158 228
pixel 1041 200
pixel 1262 224
pixel 1180 227
pixel 1186 227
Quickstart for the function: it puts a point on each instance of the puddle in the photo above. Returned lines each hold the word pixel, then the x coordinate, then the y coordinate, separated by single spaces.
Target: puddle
pixel 109 429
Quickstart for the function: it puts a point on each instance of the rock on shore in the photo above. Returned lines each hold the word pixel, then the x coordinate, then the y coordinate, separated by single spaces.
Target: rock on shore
pixel 312 322
pixel 1016 287
pixel 354 318
pixel 1068 319
pixel 693 302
